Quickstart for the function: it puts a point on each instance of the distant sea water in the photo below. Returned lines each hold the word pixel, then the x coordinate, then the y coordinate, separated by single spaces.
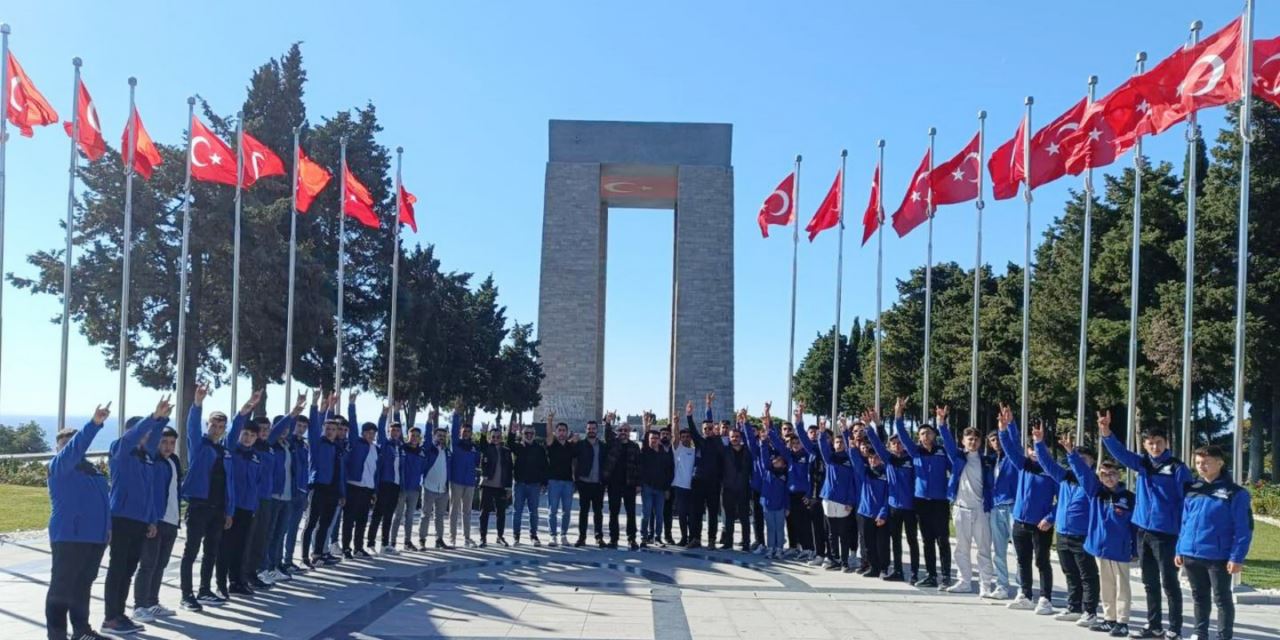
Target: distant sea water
pixel 51 428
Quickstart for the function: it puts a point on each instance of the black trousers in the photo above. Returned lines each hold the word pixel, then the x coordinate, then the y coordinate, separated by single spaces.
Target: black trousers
pixel 233 548
pixel 668 511
pixel 75 567
pixel 384 509
pixel 687 514
pixel 757 518
pixel 322 505
pixel 875 544
pixel 1155 557
pixel 493 500
pixel 711 506
pixel 590 499
pixel 799 532
pixel 155 557
pixel 1030 542
pixel 736 511
pixel 841 539
pixel 1081 570
pixel 622 496
pixel 900 520
pixel 818 522
pixel 1206 576
pixel 935 517
pixel 355 516
pixel 263 520
pixel 127 537
pixel 205 522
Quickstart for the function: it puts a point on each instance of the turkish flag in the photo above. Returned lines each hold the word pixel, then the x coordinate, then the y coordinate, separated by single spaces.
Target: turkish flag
pixel 956 180
pixel 312 179
pixel 914 209
pixel 1094 144
pixel 1049 153
pixel 359 203
pixel 1005 165
pixel 407 200
pixel 828 214
pixel 778 208
pixel 259 161
pixel 211 159
pixel 26 108
pixel 1200 77
pixel 88 130
pixel 1266 73
pixel 145 155
pixel 871 217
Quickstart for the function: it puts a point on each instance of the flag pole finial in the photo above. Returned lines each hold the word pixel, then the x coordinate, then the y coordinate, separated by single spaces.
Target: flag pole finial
pixel 933 131
pixel 799 158
pixel 982 114
pixel 1141 57
pixel 4 28
pixel 297 130
pixel 133 82
pixel 844 153
pixel 1093 81
pixel 880 143
pixel 191 102
pixel 399 150
pixel 1029 100
pixel 1196 26
pixel 76 62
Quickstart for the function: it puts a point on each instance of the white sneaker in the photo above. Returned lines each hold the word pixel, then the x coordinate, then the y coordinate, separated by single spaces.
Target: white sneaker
pixel 1044 607
pixel 1087 620
pixel 335 549
pixel 996 593
pixel 564 540
pixel 265 576
pixel 1021 603
pixel 389 551
pixel 1066 615
pixel 554 542
pixel 961 586
pixel 470 544
pixel 143 614
pixel 281 575
pixel 161 611
pixel 816 561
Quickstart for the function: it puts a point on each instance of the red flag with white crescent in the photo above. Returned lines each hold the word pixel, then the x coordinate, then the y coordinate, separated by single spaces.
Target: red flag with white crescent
pixel 359 203
pixel 828 213
pixel 26 108
pixel 88 131
pixel 145 155
pixel 871 217
pixel 1266 70
pixel 956 180
pixel 778 208
pixel 407 200
pixel 211 159
pixel 914 209
pixel 259 161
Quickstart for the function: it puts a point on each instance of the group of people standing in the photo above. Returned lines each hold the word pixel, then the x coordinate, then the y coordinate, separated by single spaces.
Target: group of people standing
pixel 843 499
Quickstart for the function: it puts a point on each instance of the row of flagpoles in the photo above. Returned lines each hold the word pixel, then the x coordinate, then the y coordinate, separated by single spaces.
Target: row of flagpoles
pixel 1202 74
pixel 208 159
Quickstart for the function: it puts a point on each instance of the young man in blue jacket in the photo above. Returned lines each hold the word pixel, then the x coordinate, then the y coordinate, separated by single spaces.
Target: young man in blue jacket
pixel 970 493
pixel 901 473
pixel 390 476
pixel 266 559
pixel 1033 516
pixel 1161 485
pixel 1217 528
pixel 271 477
pixel 839 500
pixel 435 481
pixel 1004 490
pixel 291 459
pixel 362 481
pixel 412 467
pixel 1110 538
pixel 155 551
pixel 79 526
pixel 300 457
pixel 771 458
pixel 873 504
pixel 462 477
pixel 799 489
pixel 327 484
pixel 133 513
pixel 210 494
pixel 932 507
pixel 1072 519
pixel 246 477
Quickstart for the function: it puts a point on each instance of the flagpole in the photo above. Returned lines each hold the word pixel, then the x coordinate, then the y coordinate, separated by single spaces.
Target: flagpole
pixel 879 264
pixel 1242 267
pixel 1026 270
pixel 126 273
pixel 395 284
pixel 342 251
pixel 928 282
pixel 4 139
pixel 1086 252
pixel 1188 311
pixel 184 264
pixel 293 257
pixel 1134 265
pixel 977 277
pixel 66 266
pixel 795 254
pixel 835 335
pixel 235 265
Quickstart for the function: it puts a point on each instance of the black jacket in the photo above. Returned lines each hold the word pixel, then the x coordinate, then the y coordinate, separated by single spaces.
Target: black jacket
pixel 531 465
pixel 622 464
pixel 710 465
pixel 584 460
pixel 657 468
pixel 735 469
pixel 560 460
pixel 490 457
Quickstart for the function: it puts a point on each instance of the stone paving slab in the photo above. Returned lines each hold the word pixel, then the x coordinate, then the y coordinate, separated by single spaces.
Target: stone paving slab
pixel 563 592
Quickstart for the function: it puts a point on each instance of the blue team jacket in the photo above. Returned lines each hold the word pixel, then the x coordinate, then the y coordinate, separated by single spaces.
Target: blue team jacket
pixel 132 473
pixel 774 494
pixel 246 468
pixel 900 470
pixel 78 493
pixel 465 458
pixel 931 466
pixel 203 453
pixel 958 462
pixel 1005 473
pixel 1161 486
pixel 1217 521
pixel 390 455
pixel 840 484
pixel 1111 533
pixel 275 457
pixel 325 457
pixel 873 494
pixel 1071 517
pixel 1036 490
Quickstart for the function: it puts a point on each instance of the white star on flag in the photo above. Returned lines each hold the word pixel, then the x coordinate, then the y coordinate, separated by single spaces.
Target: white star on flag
pixel 1144 107
pixel 915 196
pixel 958 174
pixel 1053 148
pixel 1095 135
pixel 215 158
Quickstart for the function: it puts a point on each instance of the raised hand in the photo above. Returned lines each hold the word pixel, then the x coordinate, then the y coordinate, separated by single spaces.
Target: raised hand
pixel 768 407
pixel 352 395
pixel 899 407
pixel 315 395
pixel 163 408
pixel 100 414
pixel 202 391
pixel 1067 443
pixel 941 413
pixel 300 404
pixel 688 408
pixel 334 398
pixel 251 403
pixel 1005 417
pixel 799 409
pixel 1037 432
pixel 1104 424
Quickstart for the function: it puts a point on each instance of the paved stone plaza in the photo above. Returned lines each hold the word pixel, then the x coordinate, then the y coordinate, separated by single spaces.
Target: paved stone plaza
pixel 527 592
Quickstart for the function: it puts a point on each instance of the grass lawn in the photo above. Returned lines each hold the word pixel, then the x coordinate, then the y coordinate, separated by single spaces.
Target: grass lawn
pixel 1262 567
pixel 23 508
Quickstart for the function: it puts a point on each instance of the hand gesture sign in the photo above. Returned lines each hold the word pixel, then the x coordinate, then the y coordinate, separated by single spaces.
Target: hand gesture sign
pixel 300 404
pixel 163 408
pixel 768 410
pixel 1104 424
pixel 202 391
pixel 688 408
pixel 711 396
pixel 1037 432
pixel 799 409
pixel 941 413
pixel 352 395
pixel 251 403
pixel 101 413
pixel 899 407
pixel 1067 443
pixel 1006 416
pixel 315 396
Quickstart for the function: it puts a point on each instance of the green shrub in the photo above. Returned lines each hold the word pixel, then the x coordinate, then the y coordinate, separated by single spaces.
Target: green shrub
pixel 24 473
pixel 1266 499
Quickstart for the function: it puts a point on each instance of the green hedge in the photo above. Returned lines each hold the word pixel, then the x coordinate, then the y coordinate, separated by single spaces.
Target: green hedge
pixel 1266 499
pixel 31 473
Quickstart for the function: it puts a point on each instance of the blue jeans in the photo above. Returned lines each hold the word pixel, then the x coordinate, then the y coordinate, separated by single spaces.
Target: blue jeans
pixel 294 520
pixel 559 498
pixel 775 522
pixel 526 494
pixel 1001 528
pixel 275 536
pixel 653 500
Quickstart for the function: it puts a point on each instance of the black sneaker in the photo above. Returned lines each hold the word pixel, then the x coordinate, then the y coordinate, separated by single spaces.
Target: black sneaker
pixel 346 554
pixel 483 543
pixel 694 544
pixel 1121 630
pixel 633 546
pixel 503 541
pixel 89 635
pixel 209 599
pixel 928 582
pixel 422 544
pixel 189 603
pixel 441 545
pixel 896 576
pixel 1147 633
pixel 580 543
pixel 330 559
pixel 257 585
pixel 360 553
pixel 122 626
pixel 222 593
pixel 240 589
pixel 408 546
pixel 670 540
pixel 1102 626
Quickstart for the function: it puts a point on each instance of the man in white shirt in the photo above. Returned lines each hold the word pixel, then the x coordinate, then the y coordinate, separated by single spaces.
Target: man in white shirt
pixel 971 477
pixel 435 486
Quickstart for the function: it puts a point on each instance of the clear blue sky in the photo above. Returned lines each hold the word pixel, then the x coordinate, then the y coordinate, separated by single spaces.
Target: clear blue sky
pixel 468 88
